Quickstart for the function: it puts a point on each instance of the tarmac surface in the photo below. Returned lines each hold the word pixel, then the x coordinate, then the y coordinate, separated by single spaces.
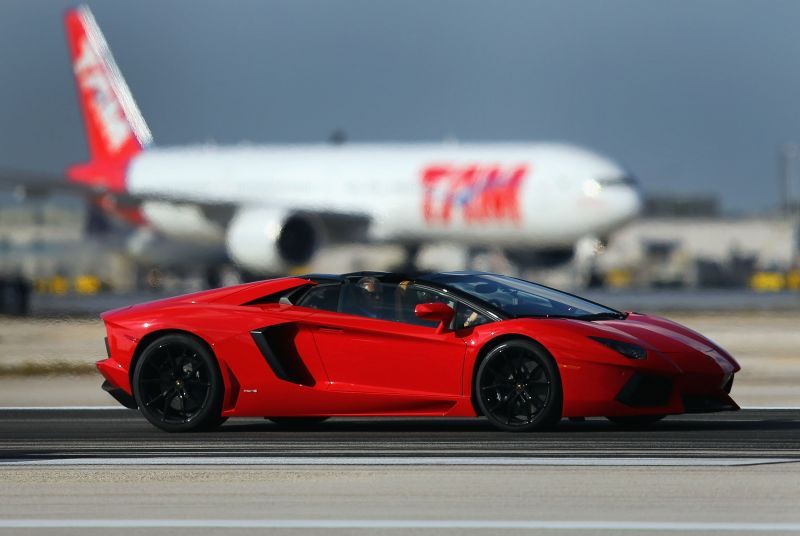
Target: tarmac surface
pixel 94 471
pixel 42 434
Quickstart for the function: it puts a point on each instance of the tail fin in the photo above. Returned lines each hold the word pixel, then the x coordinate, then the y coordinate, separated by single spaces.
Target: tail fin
pixel 115 128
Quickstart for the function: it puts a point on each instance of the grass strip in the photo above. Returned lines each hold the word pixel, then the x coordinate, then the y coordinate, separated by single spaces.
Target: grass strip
pixel 47 368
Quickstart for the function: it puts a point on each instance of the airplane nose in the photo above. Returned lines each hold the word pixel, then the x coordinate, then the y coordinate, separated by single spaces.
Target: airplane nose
pixel 624 193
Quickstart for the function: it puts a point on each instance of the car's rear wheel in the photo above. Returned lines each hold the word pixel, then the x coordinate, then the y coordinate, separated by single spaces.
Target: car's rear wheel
pixel 636 421
pixel 517 387
pixel 177 384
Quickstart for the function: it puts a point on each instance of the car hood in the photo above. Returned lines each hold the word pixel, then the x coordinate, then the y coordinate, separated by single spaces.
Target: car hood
pixel 666 337
pixel 658 333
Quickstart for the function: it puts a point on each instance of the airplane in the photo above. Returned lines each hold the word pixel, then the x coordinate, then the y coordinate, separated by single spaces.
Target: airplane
pixel 271 208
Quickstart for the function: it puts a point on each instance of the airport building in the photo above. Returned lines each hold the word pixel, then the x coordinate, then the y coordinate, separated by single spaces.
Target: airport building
pixel 686 242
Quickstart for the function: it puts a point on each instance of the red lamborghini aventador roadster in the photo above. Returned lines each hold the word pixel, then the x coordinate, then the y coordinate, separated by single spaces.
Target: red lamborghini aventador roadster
pixel 303 349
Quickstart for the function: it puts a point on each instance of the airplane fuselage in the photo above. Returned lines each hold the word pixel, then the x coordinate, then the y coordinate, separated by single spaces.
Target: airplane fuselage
pixel 276 206
pixel 509 195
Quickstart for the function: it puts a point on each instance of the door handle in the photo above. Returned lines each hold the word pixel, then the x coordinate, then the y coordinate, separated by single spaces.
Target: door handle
pixel 330 330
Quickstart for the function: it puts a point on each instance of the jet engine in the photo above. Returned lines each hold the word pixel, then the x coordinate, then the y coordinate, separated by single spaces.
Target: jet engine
pixel 265 241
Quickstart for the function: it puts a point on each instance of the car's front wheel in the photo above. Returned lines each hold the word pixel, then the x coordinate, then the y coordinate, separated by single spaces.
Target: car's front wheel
pixel 177 384
pixel 518 388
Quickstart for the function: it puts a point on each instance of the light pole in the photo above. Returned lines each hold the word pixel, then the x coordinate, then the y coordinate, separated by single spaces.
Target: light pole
pixel 788 155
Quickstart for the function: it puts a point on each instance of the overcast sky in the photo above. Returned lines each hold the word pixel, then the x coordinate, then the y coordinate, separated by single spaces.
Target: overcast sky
pixel 693 96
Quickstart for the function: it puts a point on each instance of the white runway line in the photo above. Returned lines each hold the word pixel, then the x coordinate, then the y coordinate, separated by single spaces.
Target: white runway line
pixel 399 461
pixel 771 408
pixel 398 524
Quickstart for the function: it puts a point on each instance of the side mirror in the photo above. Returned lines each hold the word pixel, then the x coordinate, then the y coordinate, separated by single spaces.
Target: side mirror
pixel 436 311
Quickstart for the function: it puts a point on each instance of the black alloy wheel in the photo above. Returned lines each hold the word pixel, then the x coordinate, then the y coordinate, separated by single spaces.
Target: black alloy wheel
pixel 177 385
pixel 518 387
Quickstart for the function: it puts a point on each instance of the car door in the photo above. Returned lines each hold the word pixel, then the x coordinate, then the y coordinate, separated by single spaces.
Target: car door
pixel 388 352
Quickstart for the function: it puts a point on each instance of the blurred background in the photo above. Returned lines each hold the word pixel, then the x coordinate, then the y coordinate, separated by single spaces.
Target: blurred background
pixel 695 103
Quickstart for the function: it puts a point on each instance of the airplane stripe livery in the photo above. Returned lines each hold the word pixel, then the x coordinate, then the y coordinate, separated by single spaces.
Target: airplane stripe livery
pixel 273 208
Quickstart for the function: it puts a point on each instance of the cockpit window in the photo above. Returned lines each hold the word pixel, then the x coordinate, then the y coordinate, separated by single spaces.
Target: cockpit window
pixel 624 180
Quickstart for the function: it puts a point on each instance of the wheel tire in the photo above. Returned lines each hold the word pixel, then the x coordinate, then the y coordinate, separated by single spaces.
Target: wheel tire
pixel 636 421
pixel 515 372
pixel 297 421
pixel 177 385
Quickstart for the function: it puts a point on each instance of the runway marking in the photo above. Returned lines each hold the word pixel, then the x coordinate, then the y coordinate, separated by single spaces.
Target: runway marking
pixel 694 526
pixel 399 460
pixel 772 408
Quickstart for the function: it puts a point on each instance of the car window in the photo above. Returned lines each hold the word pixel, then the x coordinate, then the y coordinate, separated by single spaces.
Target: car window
pixel 324 297
pixel 375 302
pixel 396 302
pixel 467 317
pixel 409 296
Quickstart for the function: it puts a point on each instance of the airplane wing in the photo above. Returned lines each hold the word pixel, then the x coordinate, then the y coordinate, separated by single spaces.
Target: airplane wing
pixel 36 184
pixel 29 184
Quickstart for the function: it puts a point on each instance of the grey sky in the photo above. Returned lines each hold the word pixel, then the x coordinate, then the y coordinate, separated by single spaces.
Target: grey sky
pixel 694 96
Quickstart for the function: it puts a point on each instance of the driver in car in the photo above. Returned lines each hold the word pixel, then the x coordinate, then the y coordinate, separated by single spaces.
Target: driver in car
pixel 368 297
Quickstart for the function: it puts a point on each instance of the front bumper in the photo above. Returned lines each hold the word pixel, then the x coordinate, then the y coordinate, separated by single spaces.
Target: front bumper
pixel 695 394
pixel 663 384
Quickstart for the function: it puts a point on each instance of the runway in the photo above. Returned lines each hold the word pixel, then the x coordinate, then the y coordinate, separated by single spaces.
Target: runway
pixel 79 471
pixel 30 435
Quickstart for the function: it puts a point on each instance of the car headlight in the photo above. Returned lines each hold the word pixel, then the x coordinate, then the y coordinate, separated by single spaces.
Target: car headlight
pixel 631 351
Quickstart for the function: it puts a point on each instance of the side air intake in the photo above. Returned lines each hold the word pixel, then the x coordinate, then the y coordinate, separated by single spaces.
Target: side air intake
pixel 276 344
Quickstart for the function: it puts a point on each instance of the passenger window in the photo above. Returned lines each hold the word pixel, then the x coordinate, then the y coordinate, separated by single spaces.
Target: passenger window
pixel 467 317
pixel 324 297
pixel 370 298
pixel 408 297
pixel 396 302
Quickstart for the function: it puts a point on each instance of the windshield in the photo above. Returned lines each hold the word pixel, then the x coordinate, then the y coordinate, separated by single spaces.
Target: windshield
pixel 518 298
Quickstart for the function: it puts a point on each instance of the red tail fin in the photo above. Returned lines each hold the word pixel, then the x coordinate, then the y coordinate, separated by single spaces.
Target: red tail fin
pixel 115 128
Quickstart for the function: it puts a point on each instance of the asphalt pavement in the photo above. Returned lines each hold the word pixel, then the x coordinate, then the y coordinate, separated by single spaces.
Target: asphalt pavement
pixel 31 434
pixel 95 471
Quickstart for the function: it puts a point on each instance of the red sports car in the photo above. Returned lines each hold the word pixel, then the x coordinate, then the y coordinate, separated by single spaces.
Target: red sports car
pixel 455 344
